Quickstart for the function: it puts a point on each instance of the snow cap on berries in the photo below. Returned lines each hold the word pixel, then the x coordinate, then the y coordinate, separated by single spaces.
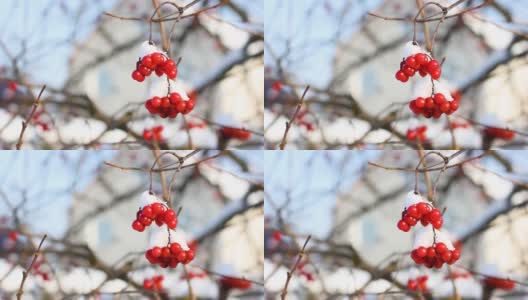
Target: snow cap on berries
pixel 146 48
pixel 425 238
pixel 148 198
pixel 424 86
pixel 411 49
pixel 160 236
pixel 160 87
pixel 413 198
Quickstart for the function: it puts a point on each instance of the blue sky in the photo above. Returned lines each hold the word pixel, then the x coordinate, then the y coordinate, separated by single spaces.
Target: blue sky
pixel 50 27
pixel 47 179
pixel 311 26
pixel 311 178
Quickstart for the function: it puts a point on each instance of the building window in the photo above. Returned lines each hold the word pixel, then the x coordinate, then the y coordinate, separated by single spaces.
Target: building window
pixel 105 83
pixel 370 83
pixel 370 232
pixel 104 232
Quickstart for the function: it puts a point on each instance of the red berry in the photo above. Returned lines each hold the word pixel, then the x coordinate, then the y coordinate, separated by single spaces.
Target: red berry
pixel 156 102
pixel 412 284
pixel 413 211
pixel 441 248
pixel 411 62
pixel 12 86
pixel 410 220
pixel 172 74
pixel 431 252
pixel 157 58
pixel 429 103
pixel 446 257
pixel 423 208
pixel 421 251
pixel 403 226
pixel 420 102
pixel 158 208
pixel 174 98
pixel 432 66
pixel 165 102
pixel 400 75
pixel 445 107
pixel 147 212
pixel 137 76
pixel 455 254
pixel 172 223
pixel 144 70
pixel 147 62
pixel 175 248
pixel 436 74
pixel 421 58
pixel 181 106
pixel 159 71
pixel 182 256
pixel 138 226
pixel 437 224
pixel 409 71
pixel 156 252
pixel 439 98
pixel 190 255
pixel 435 214
pixel 145 221
pixel 165 252
pixel 13 235
pixel 169 65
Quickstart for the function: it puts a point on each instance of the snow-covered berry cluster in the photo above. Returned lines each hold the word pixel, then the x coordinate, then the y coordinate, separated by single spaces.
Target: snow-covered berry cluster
pixel 169 256
pixel 432 247
pixel 174 102
pixel 421 63
pixel 167 250
pixel 433 106
pixel 439 101
pixel 169 106
pixel 420 211
pixel 155 212
pixel 435 256
pixel 156 62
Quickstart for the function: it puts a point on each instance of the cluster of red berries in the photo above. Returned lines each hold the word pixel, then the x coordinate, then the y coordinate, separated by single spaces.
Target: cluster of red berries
pixel 153 284
pixel 303 122
pixel 153 133
pixel 13 235
pixel 235 133
pixel 197 125
pixel 435 256
pixel 191 275
pixel 420 63
pixel 235 283
pixel 169 256
pixel 302 271
pixel 37 121
pixel 276 236
pixel 418 284
pixel 169 106
pixel 422 212
pixel 499 283
pixel 499 133
pixel 38 271
pixel 155 212
pixel 433 106
pixel 155 62
pixel 417 134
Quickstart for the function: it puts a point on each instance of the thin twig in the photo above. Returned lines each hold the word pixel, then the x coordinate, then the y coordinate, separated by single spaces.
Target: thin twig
pixel 25 273
pixel 25 123
pixel 290 273
pixel 292 119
